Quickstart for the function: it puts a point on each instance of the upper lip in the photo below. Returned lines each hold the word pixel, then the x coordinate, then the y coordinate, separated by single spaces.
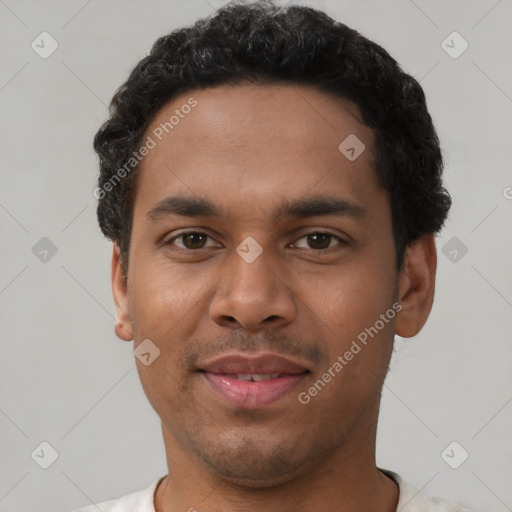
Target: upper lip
pixel 256 363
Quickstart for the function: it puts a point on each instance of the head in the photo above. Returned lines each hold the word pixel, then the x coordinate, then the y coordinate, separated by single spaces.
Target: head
pixel 231 135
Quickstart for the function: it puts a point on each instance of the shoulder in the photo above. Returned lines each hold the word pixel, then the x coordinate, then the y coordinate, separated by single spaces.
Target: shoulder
pixel 413 500
pixel 140 501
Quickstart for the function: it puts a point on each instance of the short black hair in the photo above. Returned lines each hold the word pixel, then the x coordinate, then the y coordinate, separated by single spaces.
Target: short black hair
pixel 263 43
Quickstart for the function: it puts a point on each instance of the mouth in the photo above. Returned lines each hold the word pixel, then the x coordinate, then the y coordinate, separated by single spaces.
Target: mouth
pixel 252 382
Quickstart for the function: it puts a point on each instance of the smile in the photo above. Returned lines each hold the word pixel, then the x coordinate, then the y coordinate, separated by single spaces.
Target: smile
pixel 252 391
pixel 252 381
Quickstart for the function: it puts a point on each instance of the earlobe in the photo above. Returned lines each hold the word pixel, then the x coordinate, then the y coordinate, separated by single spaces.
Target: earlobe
pixel 123 327
pixel 416 286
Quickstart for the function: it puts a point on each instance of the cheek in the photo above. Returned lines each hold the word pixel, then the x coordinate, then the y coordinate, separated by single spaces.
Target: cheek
pixel 350 305
pixel 350 300
pixel 163 309
pixel 163 297
pixel 357 340
pixel 163 312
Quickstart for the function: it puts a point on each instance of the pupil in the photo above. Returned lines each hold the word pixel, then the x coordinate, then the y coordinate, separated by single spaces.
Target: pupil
pixel 314 239
pixel 191 237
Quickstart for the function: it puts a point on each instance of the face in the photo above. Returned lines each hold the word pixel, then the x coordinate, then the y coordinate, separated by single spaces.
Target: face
pixel 259 249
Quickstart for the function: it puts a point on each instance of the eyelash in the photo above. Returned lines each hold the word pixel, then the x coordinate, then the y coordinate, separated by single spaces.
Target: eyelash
pixel 170 241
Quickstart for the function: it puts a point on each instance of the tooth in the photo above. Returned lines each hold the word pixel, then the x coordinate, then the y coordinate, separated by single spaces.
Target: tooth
pixel 266 376
pixel 257 377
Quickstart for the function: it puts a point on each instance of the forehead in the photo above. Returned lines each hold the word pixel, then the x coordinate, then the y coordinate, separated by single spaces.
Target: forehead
pixel 251 142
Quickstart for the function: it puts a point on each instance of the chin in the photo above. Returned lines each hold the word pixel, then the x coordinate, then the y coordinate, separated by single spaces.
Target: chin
pixel 255 464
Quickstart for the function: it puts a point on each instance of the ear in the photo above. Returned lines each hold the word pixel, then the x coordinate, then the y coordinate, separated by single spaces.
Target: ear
pixel 416 284
pixel 123 328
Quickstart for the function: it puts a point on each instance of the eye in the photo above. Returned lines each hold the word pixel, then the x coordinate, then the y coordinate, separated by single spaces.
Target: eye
pixel 319 241
pixel 190 240
pixel 196 240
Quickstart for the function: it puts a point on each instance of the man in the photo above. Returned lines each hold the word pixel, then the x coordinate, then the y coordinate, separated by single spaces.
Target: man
pixel 271 182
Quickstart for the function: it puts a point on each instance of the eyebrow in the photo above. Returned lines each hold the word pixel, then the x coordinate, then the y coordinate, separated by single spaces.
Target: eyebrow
pixel 299 208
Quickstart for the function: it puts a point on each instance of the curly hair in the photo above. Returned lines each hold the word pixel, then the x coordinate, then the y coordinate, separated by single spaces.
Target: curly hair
pixel 263 43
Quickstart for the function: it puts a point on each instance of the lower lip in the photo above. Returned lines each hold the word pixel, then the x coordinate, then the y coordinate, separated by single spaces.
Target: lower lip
pixel 249 394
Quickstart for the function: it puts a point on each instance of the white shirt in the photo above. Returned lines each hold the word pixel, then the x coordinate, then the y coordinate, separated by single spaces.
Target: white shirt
pixel 410 500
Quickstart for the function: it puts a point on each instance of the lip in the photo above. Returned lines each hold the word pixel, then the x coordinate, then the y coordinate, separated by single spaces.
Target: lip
pixel 256 363
pixel 218 374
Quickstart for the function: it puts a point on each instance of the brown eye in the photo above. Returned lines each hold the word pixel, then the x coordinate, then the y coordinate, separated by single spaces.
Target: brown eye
pixel 319 240
pixel 191 240
pixel 194 240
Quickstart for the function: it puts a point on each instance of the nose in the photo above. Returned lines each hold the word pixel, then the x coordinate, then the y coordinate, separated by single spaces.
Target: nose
pixel 253 296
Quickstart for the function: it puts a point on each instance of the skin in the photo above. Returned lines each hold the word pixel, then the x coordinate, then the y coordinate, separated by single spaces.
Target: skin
pixel 248 148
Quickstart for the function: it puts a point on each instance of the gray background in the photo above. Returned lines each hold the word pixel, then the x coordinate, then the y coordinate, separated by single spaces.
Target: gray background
pixel 67 380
